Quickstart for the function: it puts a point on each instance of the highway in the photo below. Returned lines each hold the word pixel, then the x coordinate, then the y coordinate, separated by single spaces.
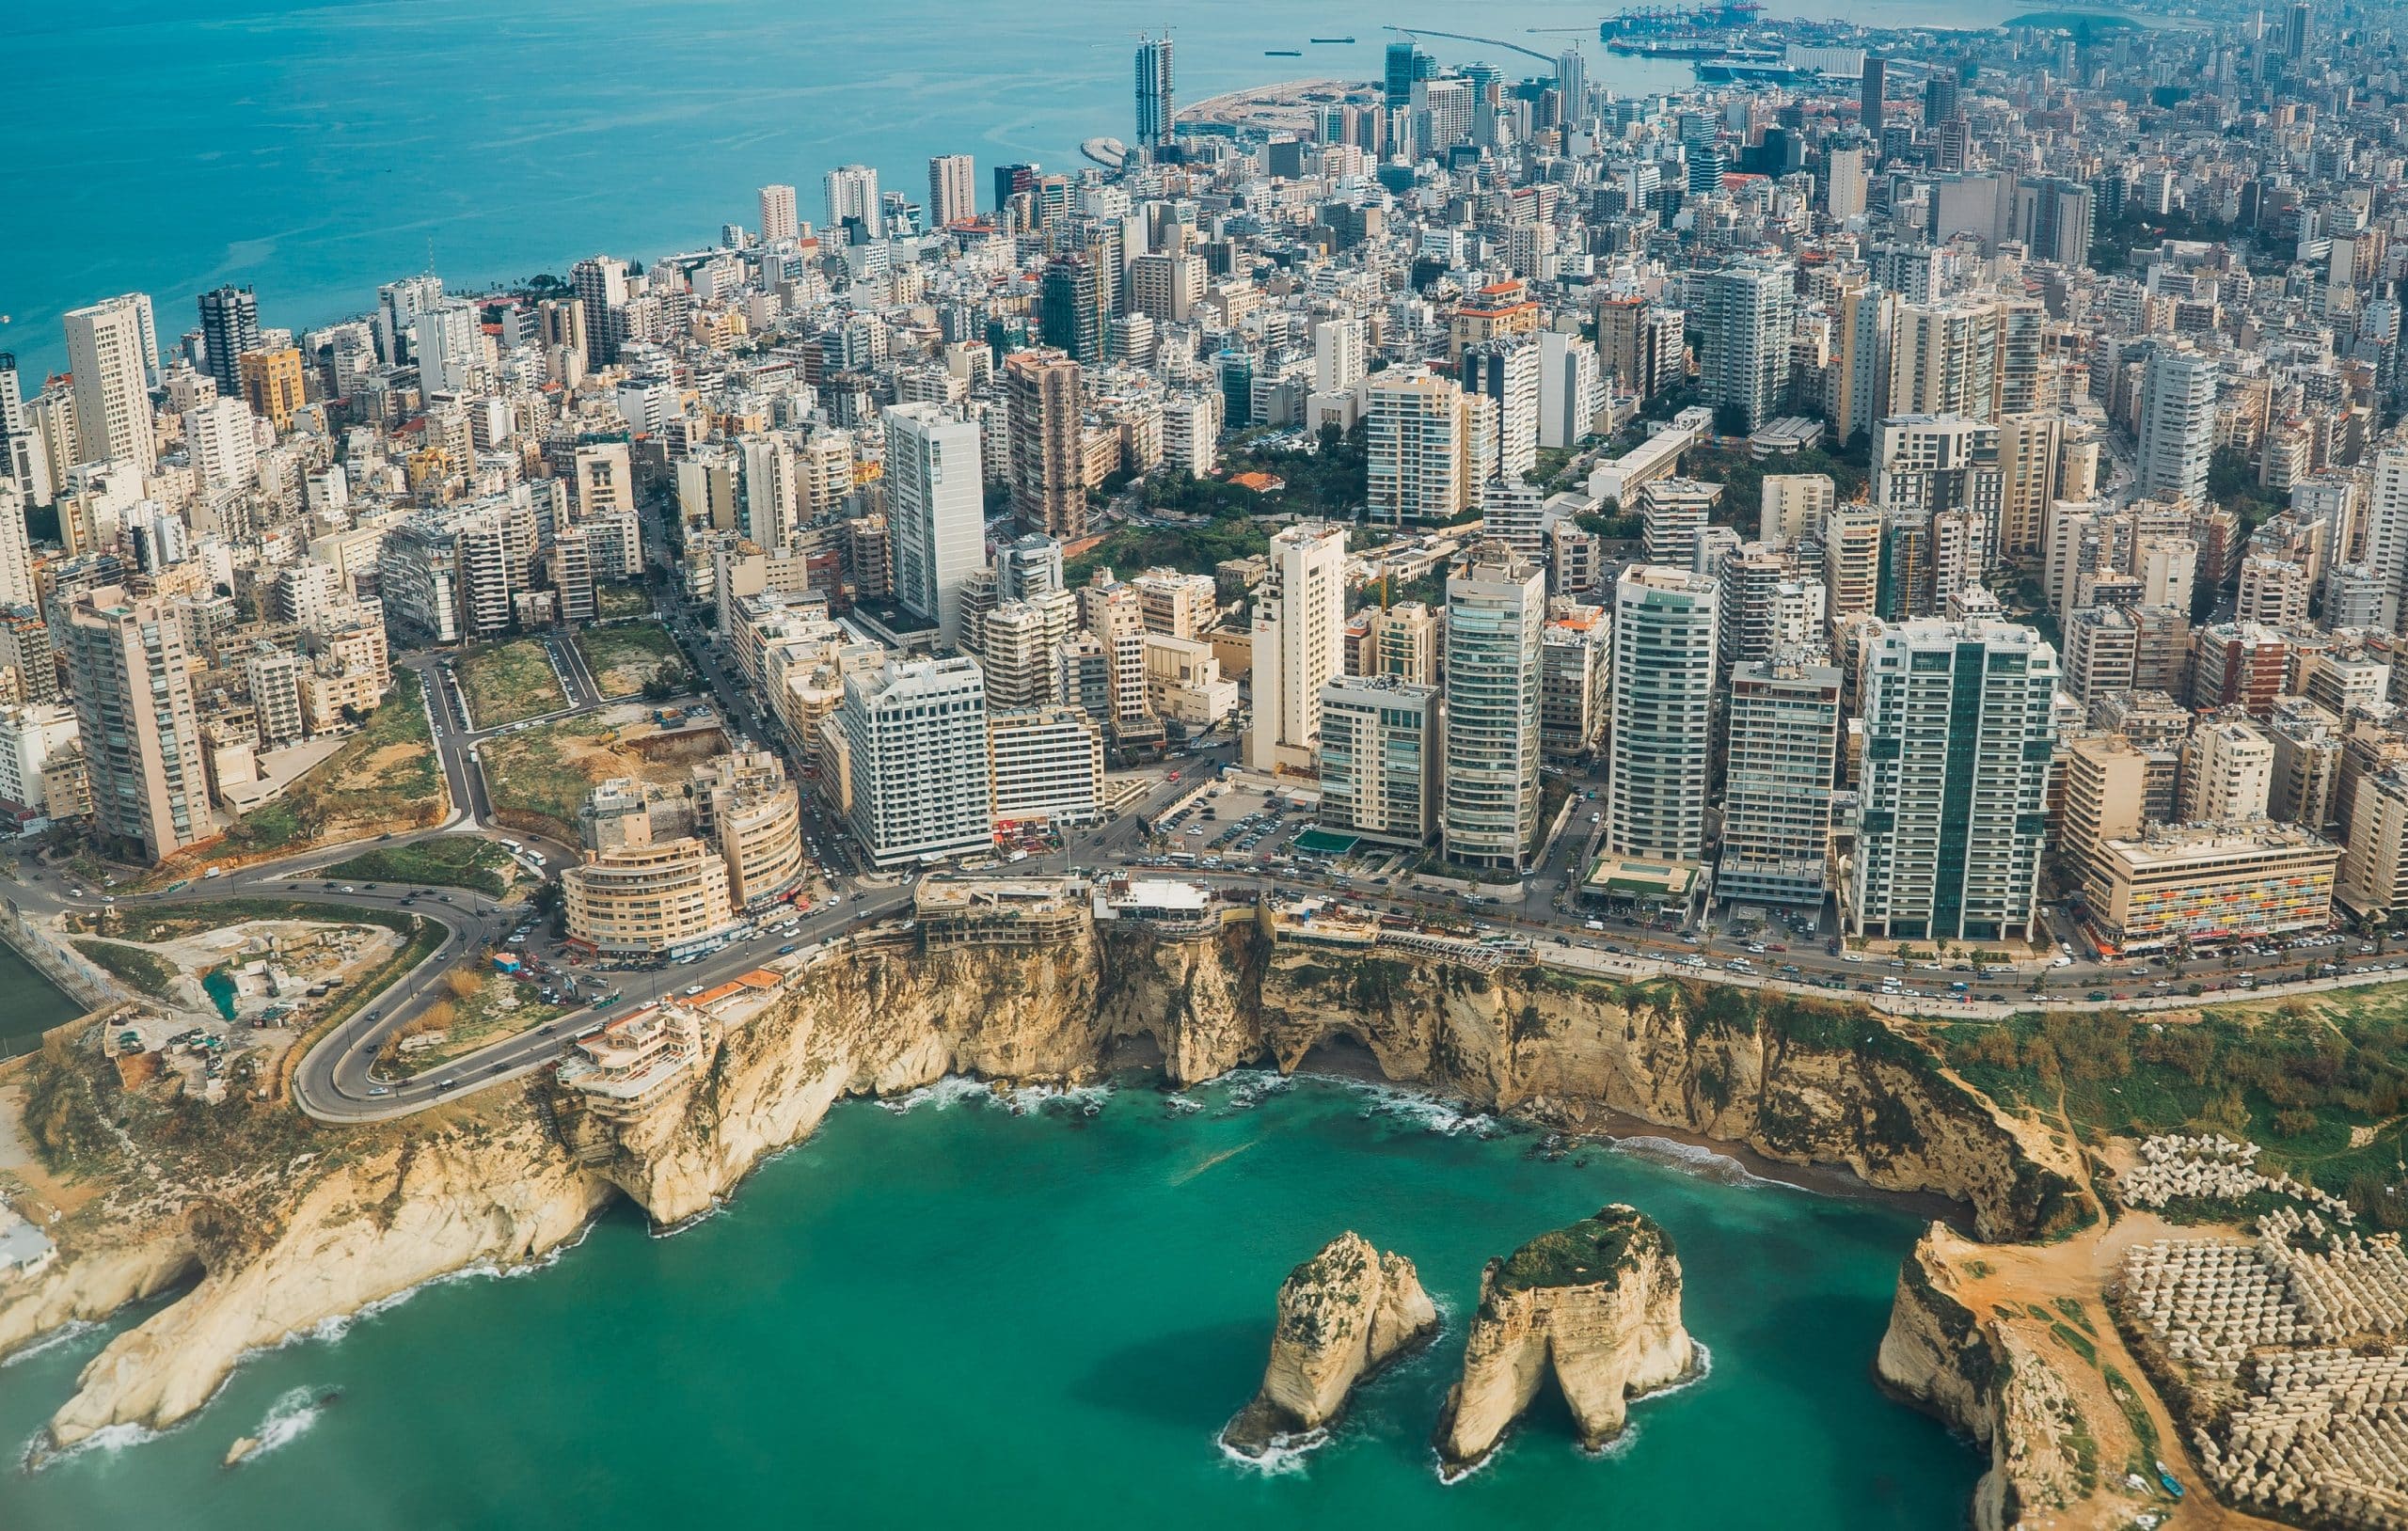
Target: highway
pixel 334 1082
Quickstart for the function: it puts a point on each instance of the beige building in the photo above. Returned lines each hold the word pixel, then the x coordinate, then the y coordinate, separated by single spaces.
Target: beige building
pixel 126 660
pixel 2374 867
pixel 647 900
pixel 744 804
pixel 2204 884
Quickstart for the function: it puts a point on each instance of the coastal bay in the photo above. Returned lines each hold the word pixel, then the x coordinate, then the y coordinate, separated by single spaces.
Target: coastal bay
pixel 315 150
pixel 944 1308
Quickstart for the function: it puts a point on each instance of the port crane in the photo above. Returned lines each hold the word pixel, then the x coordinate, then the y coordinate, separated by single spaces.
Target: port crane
pixel 1466 36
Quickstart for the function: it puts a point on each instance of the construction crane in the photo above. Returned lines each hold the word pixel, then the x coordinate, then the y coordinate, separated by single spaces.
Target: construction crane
pixel 1466 36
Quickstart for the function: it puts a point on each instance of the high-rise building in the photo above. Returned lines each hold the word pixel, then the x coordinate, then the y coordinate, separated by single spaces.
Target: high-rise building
pixel 1075 306
pixel 2228 772
pixel 1157 111
pixel 16 553
pixel 2386 538
pixel 1860 334
pixel 1944 359
pixel 105 352
pixel 780 219
pixel 127 663
pixel 1844 180
pixel 450 345
pixel 1379 758
pixel 1043 404
pixel 1872 87
pixel 853 201
pixel 917 765
pixel 1299 643
pixel 1783 757
pixel 953 190
pixel 2178 425
pixel 935 515
pixel 1489 787
pixel 1506 371
pixel 1572 390
pixel 600 282
pixel 273 385
pixel 219 442
pixel 1659 745
pixel 1420 462
pixel 1959 732
pixel 229 328
pixel 1743 365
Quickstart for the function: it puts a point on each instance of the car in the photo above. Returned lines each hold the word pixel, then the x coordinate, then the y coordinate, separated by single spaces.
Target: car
pixel 2095 997
pixel 1853 956
pixel 378 1089
pixel 785 949
pixel 692 989
pixel 447 1084
pixel 348 889
pixel 2061 960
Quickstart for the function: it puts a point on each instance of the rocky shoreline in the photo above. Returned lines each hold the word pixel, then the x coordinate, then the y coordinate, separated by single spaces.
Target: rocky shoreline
pixel 365 1214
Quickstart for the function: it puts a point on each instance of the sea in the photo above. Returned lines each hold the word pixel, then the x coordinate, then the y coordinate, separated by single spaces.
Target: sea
pixel 1038 1311
pixel 315 149
pixel 29 1005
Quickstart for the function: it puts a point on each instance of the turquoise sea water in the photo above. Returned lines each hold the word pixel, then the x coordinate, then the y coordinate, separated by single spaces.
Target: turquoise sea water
pixel 316 147
pixel 959 1315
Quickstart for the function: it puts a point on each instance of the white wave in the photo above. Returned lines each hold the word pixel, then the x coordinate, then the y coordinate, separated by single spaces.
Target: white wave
pixel 1182 1105
pixel 949 1091
pixel 108 1438
pixel 1689 1159
pixel 1083 1099
pixel 1247 1088
pixel 1281 1456
pixel 287 1420
pixel 718 1206
pixel 66 1333
pixel 1432 1114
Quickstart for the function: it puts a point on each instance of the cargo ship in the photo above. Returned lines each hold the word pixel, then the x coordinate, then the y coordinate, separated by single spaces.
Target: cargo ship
pixel 1669 21
pixel 1330 40
pixel 1283 53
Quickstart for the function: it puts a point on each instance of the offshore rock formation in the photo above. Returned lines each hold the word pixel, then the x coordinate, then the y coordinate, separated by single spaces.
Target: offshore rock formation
pixel 1597 1303
pixel 369 1212
pixel 1344 1314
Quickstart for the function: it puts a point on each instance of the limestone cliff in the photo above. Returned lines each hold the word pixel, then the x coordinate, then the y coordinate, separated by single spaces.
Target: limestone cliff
pixel 1342 1315
pixel 1797 1081
pixel 282 1241
pixel 1598 1304
pixel 1995 1382
pixel 364 1231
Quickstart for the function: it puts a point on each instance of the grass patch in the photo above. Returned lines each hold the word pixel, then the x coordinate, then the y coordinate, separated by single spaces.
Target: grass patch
pixel 2302 1082
pixel 2136 1416
pixel 508 682
pixel 622 658
pixel 621 599
pixel 148 972
pixel 451 861
pixel 385 776
pixel 1593 1251
pixel 479 1006
pixel 2079 1343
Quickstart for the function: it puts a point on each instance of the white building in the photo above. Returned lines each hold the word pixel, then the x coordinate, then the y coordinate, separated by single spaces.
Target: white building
pixel 1489 786
pixel 780 220
pixel 916 761
pixel 1952 827
pixel 2178 425
pixel 31 737
pixel 1299 643
pixel 1660 747
pixel 112 350
pixel 1047 763
pixel 1785 730
pixel 1571 389
pixel 1379 758
pixel 935 511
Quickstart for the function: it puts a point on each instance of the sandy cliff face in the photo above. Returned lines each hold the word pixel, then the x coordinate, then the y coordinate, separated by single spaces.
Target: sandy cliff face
pixel 1342 1315
pixel 364 1232
pixel 494 1182
pixel 1598 1304
pixel 1994 1382
pixel 1797 1084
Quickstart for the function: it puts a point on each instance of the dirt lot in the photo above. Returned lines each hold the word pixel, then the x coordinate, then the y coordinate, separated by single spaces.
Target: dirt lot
pixel 624 657
pixel 538 778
